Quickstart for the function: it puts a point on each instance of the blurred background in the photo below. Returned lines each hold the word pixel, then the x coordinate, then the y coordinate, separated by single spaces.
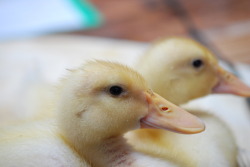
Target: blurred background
pixel 222 25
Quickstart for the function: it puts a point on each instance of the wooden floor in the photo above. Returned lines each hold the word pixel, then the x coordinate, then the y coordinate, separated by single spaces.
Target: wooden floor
pixel 222 25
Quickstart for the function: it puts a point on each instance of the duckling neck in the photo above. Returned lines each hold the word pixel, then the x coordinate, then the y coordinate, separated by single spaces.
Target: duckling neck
pixel 112 152
pixel 115 152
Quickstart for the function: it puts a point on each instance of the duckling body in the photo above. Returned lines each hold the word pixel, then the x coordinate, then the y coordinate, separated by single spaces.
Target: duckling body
pixel 181 70
pixel 39 144
pixel 36 144
pixel 97 104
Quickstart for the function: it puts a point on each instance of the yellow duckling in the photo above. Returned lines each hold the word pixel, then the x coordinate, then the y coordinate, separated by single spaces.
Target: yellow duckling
pixel 98 103
pixel 180 70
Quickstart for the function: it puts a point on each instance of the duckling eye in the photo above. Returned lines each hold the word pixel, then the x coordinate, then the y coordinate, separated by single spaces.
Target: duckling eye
pixel 115 90
pixel 197 63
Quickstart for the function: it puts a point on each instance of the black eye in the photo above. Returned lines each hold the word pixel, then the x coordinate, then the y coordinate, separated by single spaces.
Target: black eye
pixel 115 90
pixel 197 63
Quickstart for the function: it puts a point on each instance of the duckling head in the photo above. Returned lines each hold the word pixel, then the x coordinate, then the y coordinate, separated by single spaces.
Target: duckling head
pixel 103 100
pixel 181 69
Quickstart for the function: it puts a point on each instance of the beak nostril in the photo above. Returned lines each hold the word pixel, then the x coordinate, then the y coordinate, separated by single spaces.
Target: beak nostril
pixel 165 109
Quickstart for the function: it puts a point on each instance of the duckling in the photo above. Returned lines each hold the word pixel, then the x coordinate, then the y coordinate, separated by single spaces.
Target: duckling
pixel 181 70
pixel 189 69
pixel 97 104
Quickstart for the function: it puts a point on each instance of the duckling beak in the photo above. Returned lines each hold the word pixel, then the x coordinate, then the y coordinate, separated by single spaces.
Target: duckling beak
pixel 228 83
pixel 165 115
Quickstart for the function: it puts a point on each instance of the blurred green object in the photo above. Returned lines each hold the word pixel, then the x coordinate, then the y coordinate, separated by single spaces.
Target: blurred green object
pixel 92 18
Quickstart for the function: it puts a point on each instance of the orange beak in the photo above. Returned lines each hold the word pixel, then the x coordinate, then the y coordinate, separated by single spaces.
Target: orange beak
pixel 165 115
pixel 228 83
